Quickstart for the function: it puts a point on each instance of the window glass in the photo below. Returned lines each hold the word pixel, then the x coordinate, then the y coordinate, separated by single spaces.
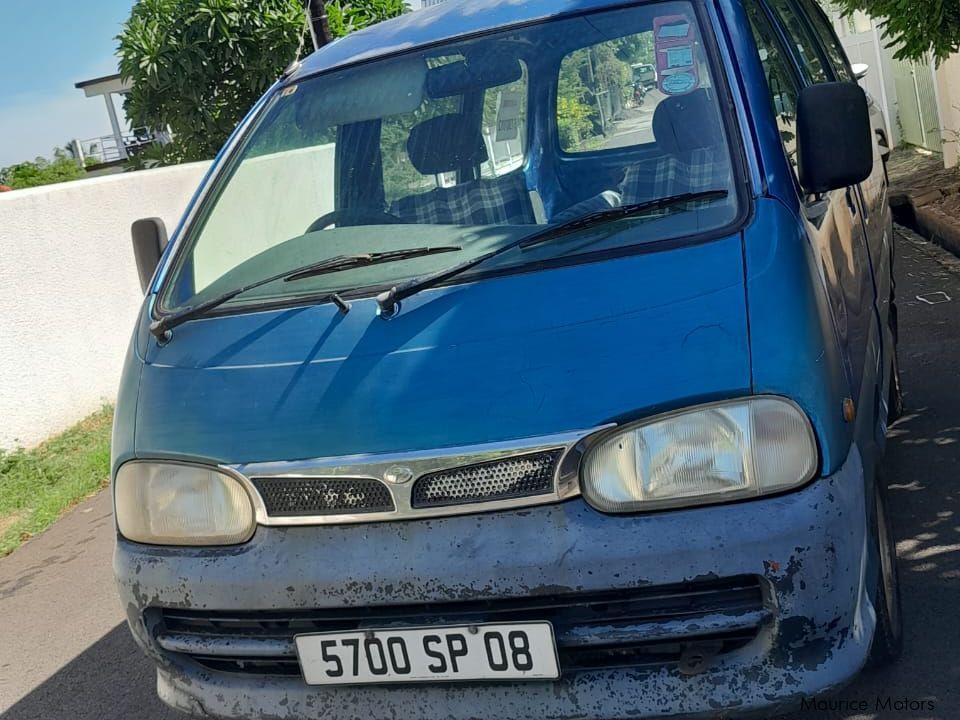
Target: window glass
pixel 808 54
pixel 606 95
pixel 428 149
pixel 505 127
pixel 780 79
pixel 835 52
pixel 400 177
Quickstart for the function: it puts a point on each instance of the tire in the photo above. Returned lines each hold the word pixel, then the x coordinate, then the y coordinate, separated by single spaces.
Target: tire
pixel 888 637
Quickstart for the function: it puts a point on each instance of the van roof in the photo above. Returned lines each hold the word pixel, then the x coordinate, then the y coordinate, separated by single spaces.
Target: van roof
pixel 448 20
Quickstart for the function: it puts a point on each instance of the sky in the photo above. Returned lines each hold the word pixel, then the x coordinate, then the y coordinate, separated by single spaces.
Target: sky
pixel 45 47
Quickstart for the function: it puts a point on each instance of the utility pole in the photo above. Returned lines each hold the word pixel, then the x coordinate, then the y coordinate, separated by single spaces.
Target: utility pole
pixel 319 27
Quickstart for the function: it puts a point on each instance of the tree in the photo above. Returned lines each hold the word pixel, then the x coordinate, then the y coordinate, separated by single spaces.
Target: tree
pixel 42 171
pixel 197 66
pixel 917 26
pixel 345 17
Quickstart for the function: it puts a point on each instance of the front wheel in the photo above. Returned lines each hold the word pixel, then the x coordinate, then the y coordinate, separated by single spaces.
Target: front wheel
pixel 888 636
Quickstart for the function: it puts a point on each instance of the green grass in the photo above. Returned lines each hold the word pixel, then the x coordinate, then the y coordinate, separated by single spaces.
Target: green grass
pixel 37 486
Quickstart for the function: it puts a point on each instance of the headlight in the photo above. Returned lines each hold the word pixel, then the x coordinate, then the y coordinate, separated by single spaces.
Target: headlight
pixel 174 504
pixel 715 453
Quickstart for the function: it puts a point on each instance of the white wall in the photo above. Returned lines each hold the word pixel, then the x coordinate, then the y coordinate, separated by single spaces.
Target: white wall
pixel 948 97
pixel 294 186
pixel 69 292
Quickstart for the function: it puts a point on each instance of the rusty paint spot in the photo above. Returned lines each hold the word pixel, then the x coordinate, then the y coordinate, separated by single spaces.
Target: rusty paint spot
pixel 849 410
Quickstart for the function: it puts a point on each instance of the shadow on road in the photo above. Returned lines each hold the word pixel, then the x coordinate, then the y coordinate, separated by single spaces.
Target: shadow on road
pixel 923 473
pixel 110 679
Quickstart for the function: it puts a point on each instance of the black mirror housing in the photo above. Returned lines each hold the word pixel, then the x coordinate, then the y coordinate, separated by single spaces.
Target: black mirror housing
pixel 149 241
pixel 834 137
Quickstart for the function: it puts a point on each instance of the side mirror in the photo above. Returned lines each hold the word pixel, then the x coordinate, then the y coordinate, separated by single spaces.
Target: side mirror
pixel 149 240
pixel 834 137
pixel 860 70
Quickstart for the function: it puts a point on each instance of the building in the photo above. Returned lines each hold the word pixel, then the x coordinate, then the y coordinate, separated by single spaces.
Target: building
pixel 116 148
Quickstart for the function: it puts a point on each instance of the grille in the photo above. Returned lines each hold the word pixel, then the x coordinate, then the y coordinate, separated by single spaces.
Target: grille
pixel 514 477
pixel 292 497
pixel 624 628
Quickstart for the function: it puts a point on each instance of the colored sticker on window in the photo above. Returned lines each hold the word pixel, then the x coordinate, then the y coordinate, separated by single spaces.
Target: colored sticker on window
pixel 679 83
pixel 675 48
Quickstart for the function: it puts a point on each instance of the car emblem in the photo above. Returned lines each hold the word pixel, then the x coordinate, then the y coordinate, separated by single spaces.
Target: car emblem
pixel 398 475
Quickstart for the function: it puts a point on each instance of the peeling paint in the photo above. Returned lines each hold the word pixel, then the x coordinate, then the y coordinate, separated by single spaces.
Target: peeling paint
pixel 808 558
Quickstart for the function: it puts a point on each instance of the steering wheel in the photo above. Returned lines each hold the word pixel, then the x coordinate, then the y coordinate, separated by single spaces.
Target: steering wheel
pixel 353 216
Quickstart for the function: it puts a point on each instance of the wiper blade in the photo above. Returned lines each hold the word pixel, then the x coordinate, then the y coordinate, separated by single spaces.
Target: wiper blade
pixel 388 301
pixel 348 262
pixel 159 328
pixel 618 213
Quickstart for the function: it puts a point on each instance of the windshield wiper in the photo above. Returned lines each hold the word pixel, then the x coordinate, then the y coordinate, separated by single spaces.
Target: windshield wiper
pixel 339 263
pixel 389 300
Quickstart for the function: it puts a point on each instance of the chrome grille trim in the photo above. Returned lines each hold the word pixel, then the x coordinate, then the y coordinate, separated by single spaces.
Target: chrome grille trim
pixel 515 477
pixel 375 467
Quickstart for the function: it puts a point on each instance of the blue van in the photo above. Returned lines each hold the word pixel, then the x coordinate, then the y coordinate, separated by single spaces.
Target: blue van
pixel 471 388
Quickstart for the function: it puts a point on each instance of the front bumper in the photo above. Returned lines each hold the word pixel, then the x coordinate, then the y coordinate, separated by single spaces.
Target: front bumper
pixel 808 546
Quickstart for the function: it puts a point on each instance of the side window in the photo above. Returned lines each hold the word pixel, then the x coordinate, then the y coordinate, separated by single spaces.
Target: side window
pixel 505 127
pixel 828 38
pixel 808 53
pixel 781 82
pixel 604 88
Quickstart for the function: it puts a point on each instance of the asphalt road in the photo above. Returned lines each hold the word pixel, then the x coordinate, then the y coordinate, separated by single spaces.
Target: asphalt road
pixel 65 654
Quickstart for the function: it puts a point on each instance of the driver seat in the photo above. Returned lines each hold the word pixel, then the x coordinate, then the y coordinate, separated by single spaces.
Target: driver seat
pixel 694 155
pixel 449 143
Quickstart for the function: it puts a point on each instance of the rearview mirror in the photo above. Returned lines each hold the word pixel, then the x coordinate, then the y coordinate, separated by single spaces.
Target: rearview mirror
pixel 834 137
pixel 149 240
pixel 860 70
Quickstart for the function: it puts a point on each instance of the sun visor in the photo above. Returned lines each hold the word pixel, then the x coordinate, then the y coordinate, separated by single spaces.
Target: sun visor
pixel 365 93
pixel 461 77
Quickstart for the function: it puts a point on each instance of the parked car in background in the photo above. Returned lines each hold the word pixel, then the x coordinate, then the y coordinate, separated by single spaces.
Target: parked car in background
pixel 644 73
pixel 596 432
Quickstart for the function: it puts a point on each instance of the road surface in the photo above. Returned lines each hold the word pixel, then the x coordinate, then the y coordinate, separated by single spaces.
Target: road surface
pixel 65 654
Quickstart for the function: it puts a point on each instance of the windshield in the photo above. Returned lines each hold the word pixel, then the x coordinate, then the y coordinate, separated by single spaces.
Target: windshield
pixel 475 145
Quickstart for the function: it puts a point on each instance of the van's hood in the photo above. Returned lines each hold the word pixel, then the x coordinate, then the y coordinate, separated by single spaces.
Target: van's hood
pixel 511 357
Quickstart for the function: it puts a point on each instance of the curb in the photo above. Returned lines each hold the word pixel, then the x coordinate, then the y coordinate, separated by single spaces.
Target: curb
pixel 926 221
pixel 938 227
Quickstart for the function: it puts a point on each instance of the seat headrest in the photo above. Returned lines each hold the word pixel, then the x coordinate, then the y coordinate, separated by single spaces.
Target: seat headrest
pixel 687 122
pixel 445 143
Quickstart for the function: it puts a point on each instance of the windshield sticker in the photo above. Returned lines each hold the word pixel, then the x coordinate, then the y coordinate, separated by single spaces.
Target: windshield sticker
pixel 674 30
pixel 677 70
pixel 679 57
pixel 679 84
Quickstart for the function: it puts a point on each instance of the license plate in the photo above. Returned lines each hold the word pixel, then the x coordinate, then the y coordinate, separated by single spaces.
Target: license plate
pixel 512 651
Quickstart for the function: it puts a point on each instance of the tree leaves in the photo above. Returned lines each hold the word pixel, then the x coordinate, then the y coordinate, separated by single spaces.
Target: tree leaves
pixel 918 27
pixel 198 66
pixel 42 171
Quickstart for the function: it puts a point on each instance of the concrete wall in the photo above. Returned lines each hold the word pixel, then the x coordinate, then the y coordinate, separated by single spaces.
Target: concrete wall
pixel 948 97
pixel 69 293
pixel 296 186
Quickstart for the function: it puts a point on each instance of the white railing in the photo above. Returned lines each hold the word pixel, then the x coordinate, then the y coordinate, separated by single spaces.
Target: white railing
pixel 105 149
